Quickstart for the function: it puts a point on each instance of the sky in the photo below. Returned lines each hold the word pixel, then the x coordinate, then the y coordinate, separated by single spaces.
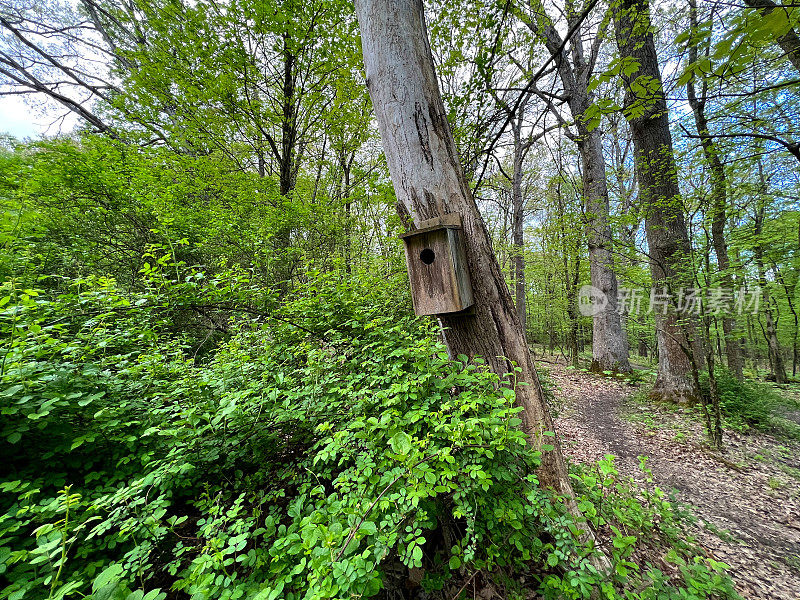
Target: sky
pixel 24 121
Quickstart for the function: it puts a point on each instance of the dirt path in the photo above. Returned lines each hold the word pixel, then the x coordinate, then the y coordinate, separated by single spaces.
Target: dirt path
pixel 747 498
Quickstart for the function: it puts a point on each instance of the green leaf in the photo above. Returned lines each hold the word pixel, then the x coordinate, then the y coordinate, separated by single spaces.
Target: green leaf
pixel 401 443
pixel 369 527
pixel 107 576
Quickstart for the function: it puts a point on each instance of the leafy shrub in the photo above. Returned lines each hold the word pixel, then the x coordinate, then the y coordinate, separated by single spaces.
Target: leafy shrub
pixel 638 526
pixel 637 376
pixel 744 404
pixel 322 451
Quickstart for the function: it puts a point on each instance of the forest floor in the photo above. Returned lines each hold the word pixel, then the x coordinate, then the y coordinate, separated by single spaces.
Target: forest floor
pixel 746 497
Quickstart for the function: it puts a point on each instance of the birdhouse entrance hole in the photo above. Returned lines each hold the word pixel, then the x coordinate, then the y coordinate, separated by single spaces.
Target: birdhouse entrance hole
pixel 437 266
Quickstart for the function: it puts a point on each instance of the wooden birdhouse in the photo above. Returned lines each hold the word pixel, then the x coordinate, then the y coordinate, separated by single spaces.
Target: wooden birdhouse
pixel 437 266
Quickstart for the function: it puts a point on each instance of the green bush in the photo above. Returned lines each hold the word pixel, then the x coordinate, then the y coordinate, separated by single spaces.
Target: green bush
pixel 744 404
pixel 637 525
pixel 324 449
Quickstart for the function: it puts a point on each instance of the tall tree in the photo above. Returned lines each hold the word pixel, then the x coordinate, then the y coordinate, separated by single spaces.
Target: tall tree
pixel 521 147
pixel 770 331
pixel 575 68
pixel 665 222
pixel 719 198
pixel 429 182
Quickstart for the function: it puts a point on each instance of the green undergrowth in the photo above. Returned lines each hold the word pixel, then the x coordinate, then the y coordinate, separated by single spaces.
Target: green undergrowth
pixel 644 530
pixel 327 448
pixel 745 406
pixel 751 405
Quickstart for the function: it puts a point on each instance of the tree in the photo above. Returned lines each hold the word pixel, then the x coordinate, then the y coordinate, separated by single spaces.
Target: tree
pixel 785 35
pixel 522 146
pixel 719 199
pixel 609 344
pixel 770 331
pixel 429 182
pixel 665 223
pixel 41 54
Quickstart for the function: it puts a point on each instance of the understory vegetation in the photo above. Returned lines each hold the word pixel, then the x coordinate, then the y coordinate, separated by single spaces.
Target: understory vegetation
pixel 319 452
pixel 746 404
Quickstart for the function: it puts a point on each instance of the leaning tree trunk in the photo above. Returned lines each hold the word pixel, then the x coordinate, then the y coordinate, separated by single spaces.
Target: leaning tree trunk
pixel 429 182
pixel 665 224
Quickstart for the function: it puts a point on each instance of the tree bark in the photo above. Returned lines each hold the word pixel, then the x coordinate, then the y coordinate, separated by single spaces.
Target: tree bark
pixel 287 162
pixel 609 342
pixel 627 232
pixel 719 203
pixel 665 224
pixel 429 182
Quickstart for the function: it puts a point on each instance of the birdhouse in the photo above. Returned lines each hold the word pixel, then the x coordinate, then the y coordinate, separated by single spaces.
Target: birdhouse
pixel 437 266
